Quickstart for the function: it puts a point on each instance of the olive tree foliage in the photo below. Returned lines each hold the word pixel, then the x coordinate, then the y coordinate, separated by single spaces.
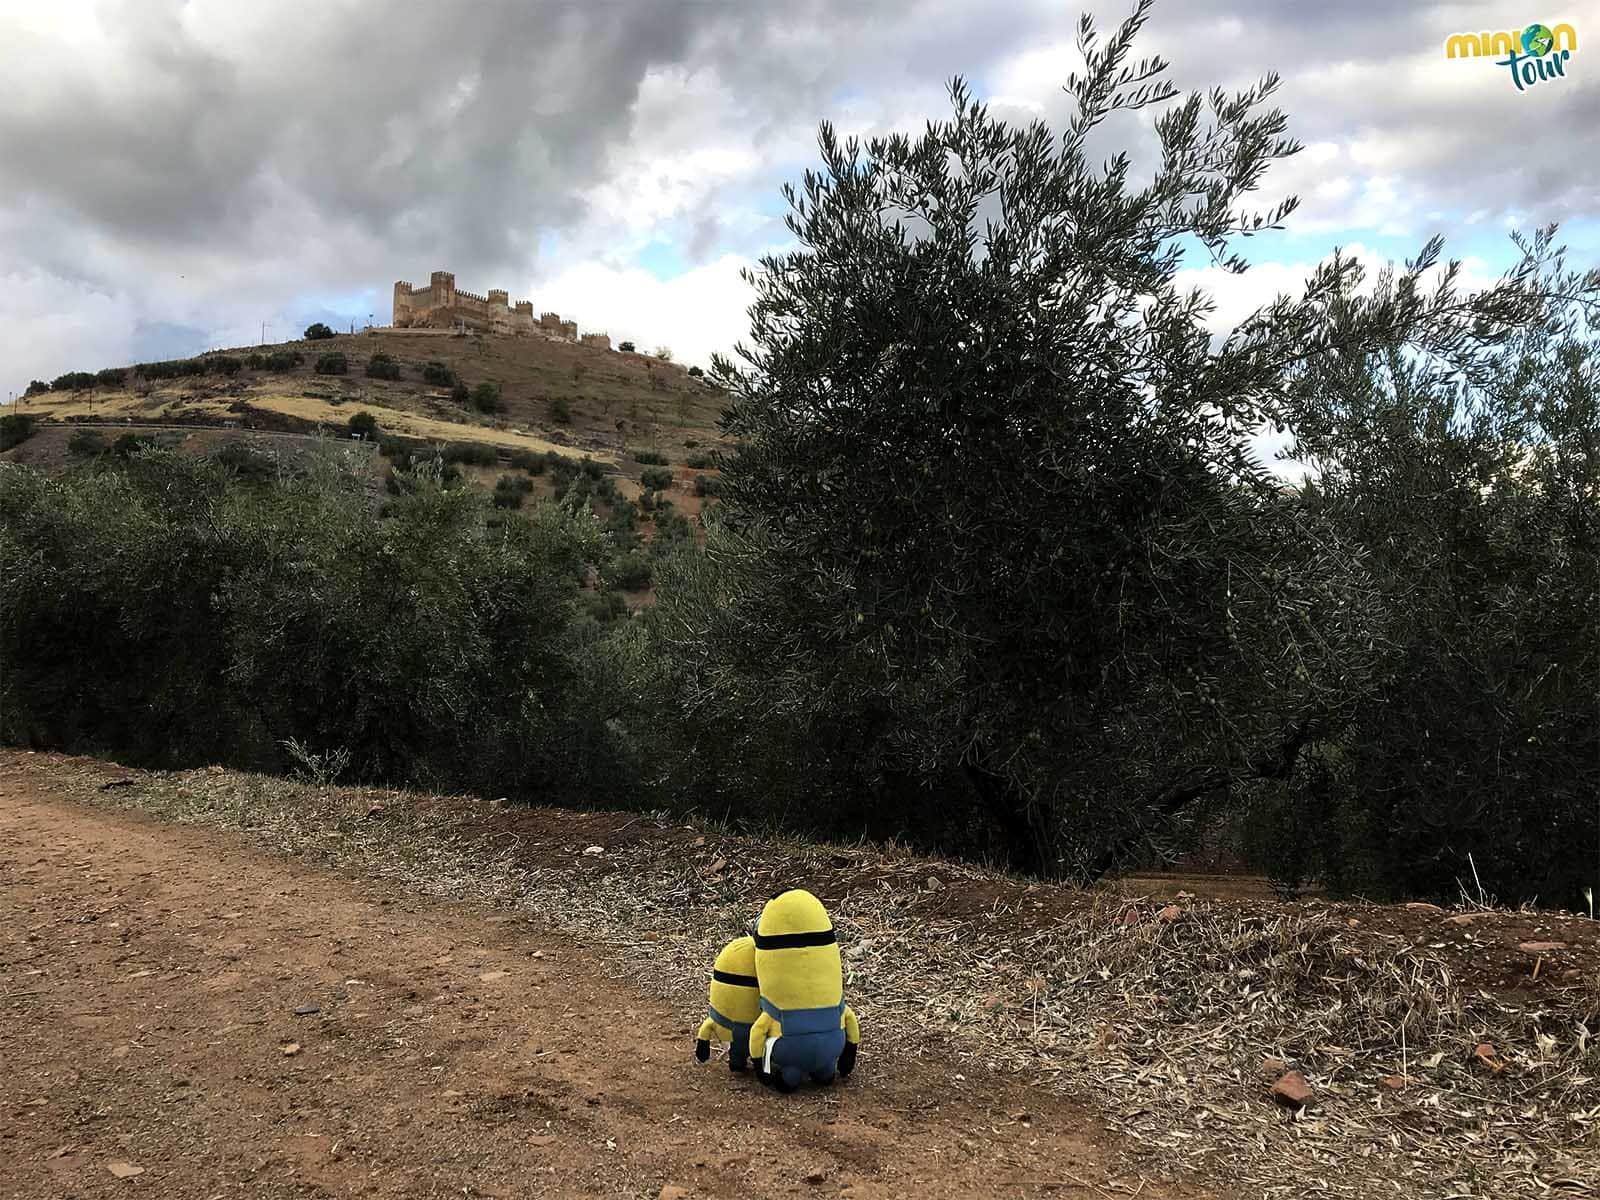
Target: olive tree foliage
pixel 1473 756
pixel 994 560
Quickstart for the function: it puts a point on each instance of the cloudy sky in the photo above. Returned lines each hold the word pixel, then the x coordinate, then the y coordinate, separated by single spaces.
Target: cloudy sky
pixel 177 173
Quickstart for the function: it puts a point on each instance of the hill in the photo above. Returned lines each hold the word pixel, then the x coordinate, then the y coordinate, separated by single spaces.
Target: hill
pixel 554 397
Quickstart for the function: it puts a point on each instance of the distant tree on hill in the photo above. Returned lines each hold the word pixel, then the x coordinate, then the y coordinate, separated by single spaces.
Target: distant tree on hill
pixel 696 372
pixel 655 479
pixel 625 347
pixel 317 332
pixel 461 393
pixel 73 381
pixel 86 443
pixel 382 366
pixel 436 373
pixel 486 398
pixel 364 425
pixel 37 387
pixel 664 353
pixel 561 411
pixel 110 377
pixel 332 363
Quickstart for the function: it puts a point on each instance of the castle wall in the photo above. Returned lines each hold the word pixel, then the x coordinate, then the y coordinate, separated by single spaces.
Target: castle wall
pixel 441 305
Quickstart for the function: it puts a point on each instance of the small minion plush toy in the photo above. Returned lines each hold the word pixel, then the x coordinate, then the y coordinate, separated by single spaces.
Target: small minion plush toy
pixel 805 1028
pixel 735 1003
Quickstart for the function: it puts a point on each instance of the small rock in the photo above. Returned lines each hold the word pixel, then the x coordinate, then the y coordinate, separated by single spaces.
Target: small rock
pixel 699 841
pixel 542 1139
pixel 1130 917
pixel 1484 1054
pixel 291 1049
pixel 1169 914
pixel 1293 1090
pixel 1273 1068
pixel 1353 923
pixel 120 1051
pixel 933 884
pixel 307 1010
pixel 1393 1082
pixel 1423 906
pixel 124 1170
pixel 498 802
pixel 595 851
pixel 64 1151
pixel 671 1191
pixel 859 949
pixel 1460 919
pixel 717 867
pixel 1541 947
pixel 492 976
pixel 815 1178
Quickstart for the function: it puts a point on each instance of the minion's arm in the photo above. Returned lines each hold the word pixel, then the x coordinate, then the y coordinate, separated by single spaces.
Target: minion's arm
pixel 702 1039
pixel 762 1028
pixel 852 1039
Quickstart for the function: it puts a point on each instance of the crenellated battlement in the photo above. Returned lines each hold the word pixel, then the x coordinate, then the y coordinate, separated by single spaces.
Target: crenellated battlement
pixel 442 305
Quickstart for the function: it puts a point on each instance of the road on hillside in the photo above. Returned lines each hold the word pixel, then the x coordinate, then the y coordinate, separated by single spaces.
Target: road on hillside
pixel 184 1016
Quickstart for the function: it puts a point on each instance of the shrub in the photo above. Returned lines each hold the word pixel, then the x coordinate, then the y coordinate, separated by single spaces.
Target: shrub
pixel 629 572
pixel 486 398
pixel 625 347
pixel 436 373
pixel 650 458
pixel 73 381
pixel 171 368
pixel 696 373
pixel 699 462
pixel 225 363
pixel 664 353
pixel 654 479
pixel 511 490
pixel 131 443
pixel 110 377
pixel 255 360
pixel 363 425
pixel 528 460
pixel 605 607
pixel 15 429
pixel 37 387
pixel 382 366
pixel 476 453
pixel 86 443
pixel 461 393
pixel 332 363
pixel 317 332
pixel 246 461
pixel 707 485
pixel 284 360
pixel 561 411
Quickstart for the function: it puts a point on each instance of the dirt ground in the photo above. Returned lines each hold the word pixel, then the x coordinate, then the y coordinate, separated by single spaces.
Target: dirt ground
pixel 186 1016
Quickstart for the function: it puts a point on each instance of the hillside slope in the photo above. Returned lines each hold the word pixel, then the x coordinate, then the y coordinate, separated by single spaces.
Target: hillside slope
pixel 556 396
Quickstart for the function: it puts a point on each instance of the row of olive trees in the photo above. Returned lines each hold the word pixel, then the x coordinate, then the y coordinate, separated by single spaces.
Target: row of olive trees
pixel 997 570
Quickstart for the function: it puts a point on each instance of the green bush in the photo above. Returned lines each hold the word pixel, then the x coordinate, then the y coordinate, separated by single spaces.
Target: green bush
pixel 650 458
pixel 707 485
pixel 476 453
pixel 175 368
pixel 511 490
pixel 255 360
pixel 699 462
pixel 332 363
pixel 37 387
pixel 246 461
pixel 605 607
pixel 382 366
pixel 629 572
pixel 16 428
pixel 696 373
pixel 363 425
pixel 156 623
pixel 436 373
pixel 130 444
pixel 530 461
pixel 625 347
pixel 461 393
pixel 227 364
pixel 561 411
pixel 285 360
pixel 73 381
pixel 655 479
pixel 486 398
pixel 317 332
pixel 86 443
pixel 110 377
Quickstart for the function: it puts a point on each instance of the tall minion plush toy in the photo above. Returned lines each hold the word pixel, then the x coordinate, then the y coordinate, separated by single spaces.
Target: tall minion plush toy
pixel 805 1029
pixel 735 1003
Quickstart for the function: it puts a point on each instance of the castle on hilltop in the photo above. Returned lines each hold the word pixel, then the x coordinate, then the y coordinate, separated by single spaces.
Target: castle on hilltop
pixel 441 306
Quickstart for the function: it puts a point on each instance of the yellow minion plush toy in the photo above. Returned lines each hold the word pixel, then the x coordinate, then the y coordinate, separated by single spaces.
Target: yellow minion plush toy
pixel 735 1003
pixel 805 1028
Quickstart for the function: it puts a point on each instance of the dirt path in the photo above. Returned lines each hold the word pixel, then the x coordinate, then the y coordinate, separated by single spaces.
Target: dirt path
pixel 150 977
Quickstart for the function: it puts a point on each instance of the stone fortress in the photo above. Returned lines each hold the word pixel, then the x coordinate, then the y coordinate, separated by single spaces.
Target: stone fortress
pixel 441 306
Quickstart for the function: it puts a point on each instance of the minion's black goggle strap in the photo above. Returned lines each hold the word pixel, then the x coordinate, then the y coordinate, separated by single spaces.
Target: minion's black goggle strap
pixel 791 941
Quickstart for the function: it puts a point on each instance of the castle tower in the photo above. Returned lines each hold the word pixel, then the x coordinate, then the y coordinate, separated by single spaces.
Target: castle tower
pixel 443 285
pixel 402 304
pixel 498 298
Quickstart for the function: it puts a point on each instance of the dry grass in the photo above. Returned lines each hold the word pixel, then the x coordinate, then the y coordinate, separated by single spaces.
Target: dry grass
pixel 1162 1025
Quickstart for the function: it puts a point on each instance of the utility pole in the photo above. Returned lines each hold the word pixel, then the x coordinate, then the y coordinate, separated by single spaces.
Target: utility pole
pixel 263 334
